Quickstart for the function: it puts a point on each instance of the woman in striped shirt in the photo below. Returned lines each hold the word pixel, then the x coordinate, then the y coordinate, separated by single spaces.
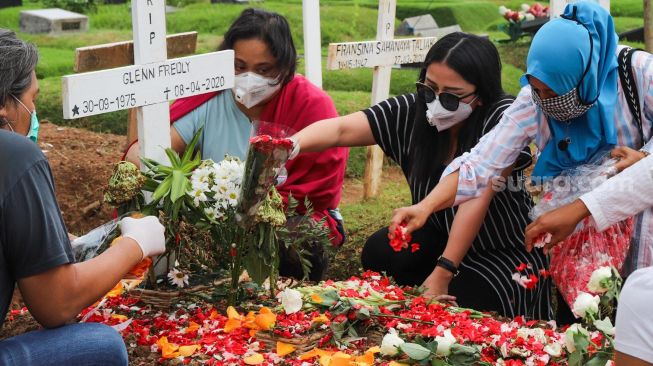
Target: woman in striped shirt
pixel 459 98
pixel 573 106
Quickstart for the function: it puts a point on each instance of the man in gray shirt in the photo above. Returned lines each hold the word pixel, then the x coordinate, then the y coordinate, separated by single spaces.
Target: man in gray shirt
pixel 35 251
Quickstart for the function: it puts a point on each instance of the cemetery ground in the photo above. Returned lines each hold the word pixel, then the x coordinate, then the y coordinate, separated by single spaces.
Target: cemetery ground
pixel 82 151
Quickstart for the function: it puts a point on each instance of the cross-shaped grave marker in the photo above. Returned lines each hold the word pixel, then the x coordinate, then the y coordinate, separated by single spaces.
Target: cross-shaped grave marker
pixel 312 41
pixel 381 54
pixel 150 83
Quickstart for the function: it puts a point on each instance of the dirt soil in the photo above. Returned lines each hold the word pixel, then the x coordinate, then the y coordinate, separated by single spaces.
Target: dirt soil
pixel 81 163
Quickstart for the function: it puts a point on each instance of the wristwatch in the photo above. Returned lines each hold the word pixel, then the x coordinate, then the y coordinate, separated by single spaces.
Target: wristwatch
pixel 448 265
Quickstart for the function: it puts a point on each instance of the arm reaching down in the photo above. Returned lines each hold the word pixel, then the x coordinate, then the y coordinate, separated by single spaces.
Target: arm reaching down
pixel 465 227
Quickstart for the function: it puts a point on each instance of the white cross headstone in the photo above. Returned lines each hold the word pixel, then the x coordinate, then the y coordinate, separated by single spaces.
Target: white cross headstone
pixel 312 41
pixel 150 83
pixel 557 7
pixel 381 54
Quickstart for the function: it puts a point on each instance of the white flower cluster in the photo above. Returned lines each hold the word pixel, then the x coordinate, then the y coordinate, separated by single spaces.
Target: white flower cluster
pixel 216 186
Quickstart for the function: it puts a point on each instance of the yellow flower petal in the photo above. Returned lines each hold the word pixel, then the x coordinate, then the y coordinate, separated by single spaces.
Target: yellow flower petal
pixel 323 319
pixel 366 359
pixel 232 313
pixel 115 291
pixel 284 349
pixel 314 353
pixel 325 360
pixel 122 318
pixel 168 350
pixel 395 363
pixel 373 350
pixel 316 298
pixel 231 325
pixel 265 321
pixel 186 351
pixel 255 359
pixel 340 359
pixel 192 327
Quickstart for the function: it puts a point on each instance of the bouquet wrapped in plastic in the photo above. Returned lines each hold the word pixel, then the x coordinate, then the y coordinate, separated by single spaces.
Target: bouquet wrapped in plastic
pixel 575 258
pixel 269 149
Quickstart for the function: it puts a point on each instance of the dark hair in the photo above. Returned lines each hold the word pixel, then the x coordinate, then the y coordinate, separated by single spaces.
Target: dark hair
pixel 477 60
pixel 17 61
pixel 271 28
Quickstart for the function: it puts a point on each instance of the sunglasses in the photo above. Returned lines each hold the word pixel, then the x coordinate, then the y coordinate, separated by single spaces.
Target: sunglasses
pixel 449 101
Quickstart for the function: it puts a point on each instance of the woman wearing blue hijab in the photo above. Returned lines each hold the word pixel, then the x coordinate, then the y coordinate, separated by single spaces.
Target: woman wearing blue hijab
pixel 573 107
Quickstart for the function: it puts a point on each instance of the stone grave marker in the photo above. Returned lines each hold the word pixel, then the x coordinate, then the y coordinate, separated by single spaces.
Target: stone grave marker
pixel 424 26
pixel 52 21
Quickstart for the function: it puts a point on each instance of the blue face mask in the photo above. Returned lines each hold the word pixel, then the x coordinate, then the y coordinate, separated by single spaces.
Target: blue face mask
pixel 34 124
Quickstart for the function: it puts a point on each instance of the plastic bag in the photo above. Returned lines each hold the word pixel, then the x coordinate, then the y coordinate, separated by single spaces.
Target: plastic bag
pixel 574 259
pixel 88 246
pixel 269 149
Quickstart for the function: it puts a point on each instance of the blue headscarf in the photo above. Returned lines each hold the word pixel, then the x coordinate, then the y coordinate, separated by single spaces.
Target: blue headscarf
pixel 558 56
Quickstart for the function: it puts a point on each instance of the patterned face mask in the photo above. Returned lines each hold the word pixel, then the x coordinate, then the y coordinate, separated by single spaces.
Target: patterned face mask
pixel 563 107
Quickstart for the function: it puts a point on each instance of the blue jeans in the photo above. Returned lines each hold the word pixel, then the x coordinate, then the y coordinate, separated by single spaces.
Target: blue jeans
pixel 82 344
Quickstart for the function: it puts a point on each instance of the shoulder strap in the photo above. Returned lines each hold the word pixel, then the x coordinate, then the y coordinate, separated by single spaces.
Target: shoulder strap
pixel 630 88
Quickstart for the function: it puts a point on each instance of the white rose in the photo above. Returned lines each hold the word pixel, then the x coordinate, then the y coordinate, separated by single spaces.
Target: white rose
pixel 444 343
pixel 503 10
pixel 390 343
pixel 569 336
pixel 529 16
pixel 553 349
pixel 598 276
pixel 291 300
pixel 525 7
pixel 586 304
pixel 605 326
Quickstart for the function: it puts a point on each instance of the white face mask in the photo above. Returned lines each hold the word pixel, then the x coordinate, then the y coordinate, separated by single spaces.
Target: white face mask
pixel 251 89
pixel 442 118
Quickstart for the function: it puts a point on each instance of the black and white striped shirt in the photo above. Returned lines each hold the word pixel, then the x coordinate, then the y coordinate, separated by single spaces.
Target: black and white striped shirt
pixel 499 245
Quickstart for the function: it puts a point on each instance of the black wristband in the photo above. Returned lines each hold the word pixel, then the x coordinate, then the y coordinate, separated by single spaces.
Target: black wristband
pixel 448 265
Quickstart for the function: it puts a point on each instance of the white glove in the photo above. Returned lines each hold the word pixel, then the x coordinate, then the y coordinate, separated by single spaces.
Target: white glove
pixel 146 232
pixel 295 148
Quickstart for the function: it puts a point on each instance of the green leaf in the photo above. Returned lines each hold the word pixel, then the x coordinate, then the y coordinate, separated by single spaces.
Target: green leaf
pixel 432 346
pixel 256 268
pixel 580 341
pixel 438 362
pixel 363 313
pixel 352 331
pixel 329 298
pixel 599 360
pixel 461 349
pixel 180 185
pixel 575 358
pixel 190 148
pixel 162 190
pixel 464 355
pixel 415 351
pixel 174 158
pixel 338 329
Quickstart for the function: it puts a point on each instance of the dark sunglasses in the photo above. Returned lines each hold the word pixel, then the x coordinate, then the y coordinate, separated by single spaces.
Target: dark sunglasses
pixel 449 101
